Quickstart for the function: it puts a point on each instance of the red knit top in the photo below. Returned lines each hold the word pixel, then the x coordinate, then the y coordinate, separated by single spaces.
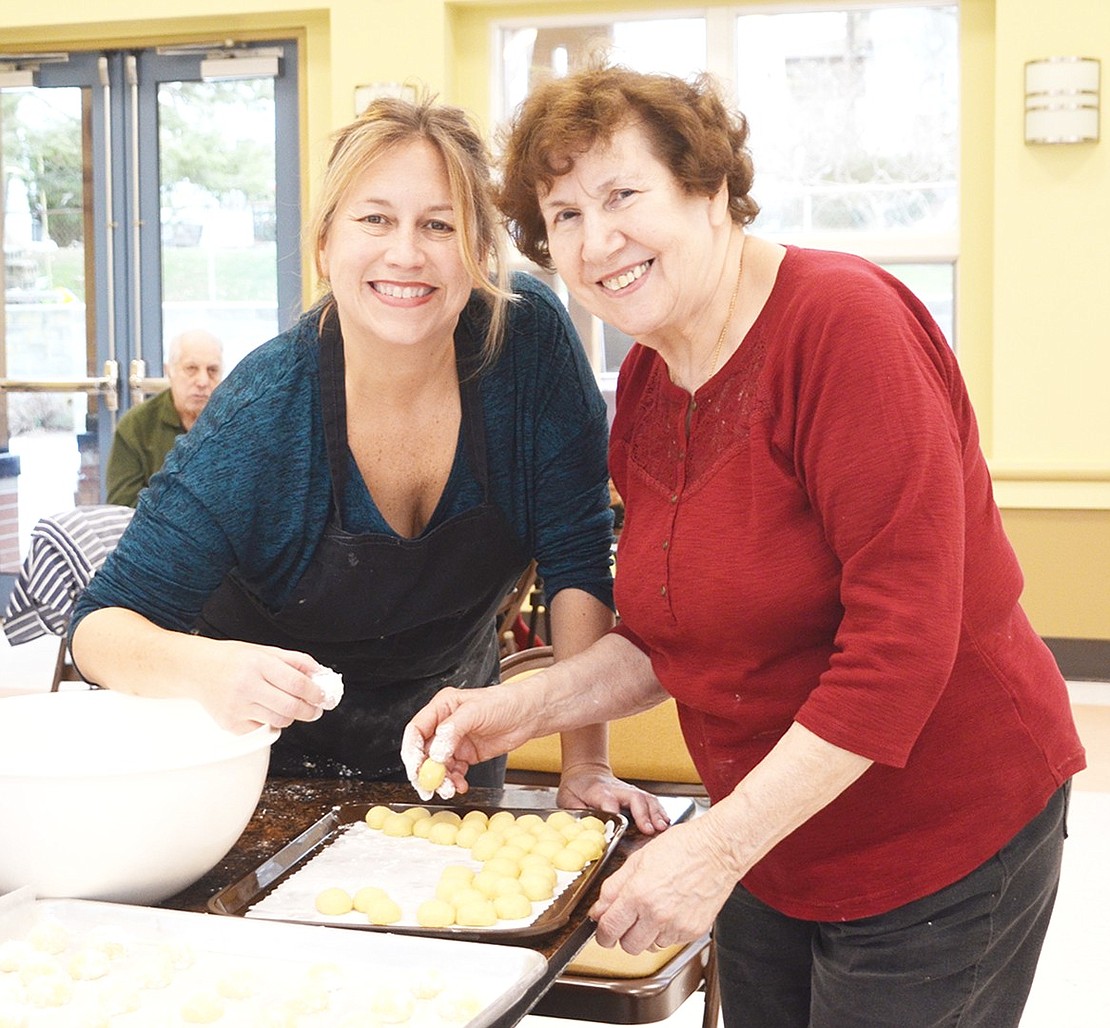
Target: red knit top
pixel 822 545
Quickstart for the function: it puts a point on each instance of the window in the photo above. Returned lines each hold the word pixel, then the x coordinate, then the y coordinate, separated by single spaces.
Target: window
pixel 853 114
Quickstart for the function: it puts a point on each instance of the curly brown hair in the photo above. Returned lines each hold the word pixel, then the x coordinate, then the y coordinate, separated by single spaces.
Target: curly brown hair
pixel 691 130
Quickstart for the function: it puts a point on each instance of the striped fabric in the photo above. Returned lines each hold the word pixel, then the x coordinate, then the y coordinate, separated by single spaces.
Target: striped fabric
pixel 66 550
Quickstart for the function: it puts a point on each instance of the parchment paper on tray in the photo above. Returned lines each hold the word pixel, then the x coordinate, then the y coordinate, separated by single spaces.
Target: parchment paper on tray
pixel 135 967
pixel 342 851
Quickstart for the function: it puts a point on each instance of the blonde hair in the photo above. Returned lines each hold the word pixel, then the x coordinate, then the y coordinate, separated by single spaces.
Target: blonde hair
pixel 388 123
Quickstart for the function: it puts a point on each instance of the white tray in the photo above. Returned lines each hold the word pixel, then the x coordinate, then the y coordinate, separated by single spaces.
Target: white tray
pixel 474 983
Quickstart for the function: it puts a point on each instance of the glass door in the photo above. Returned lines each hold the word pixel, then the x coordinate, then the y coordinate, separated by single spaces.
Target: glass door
pixel 144 193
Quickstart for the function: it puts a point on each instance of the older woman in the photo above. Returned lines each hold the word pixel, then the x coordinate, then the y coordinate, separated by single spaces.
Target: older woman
pixel 364 489
pixel 812 564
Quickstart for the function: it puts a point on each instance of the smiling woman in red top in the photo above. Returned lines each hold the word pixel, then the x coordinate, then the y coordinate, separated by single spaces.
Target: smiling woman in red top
pixel 813 565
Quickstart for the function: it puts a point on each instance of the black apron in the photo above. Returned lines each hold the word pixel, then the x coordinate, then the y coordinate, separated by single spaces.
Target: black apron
pixel 397 618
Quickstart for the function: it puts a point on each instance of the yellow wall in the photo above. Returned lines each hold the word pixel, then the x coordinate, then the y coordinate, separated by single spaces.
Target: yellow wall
pixel 1033 299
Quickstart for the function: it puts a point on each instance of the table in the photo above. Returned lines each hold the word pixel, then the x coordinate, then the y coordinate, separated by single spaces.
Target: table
pixel 289 806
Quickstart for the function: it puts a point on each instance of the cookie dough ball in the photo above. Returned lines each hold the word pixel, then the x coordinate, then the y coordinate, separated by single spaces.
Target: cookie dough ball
pixel 49 990
pixel 327 976
pixel 155 970
pixel 88 964
pixel 237 983
pixel 502 819
pixel 365 896
pixel 513 853
pixel 427 984
pixel 589 842
pixel 332 684
pixel 443 833
pixel 485 882
pixel 486 845
pixel 202 1008
pixel 478 817
pixel 450 817
pixel 504 866
pixel 398 826
pixel 422 827
pixel 479 914
pixel 547 848
pixel 391 1006
pixel 435 913
pixel 568 859
pixel 416 813
pixel 334 902
pixel 49 937
pixel 382 911
pixel 558 818
pixel 512 907
pixel 537 886
pixel 469 831
pixel 376 815
pixel 593 822
pixel 524 840
pixel 465 896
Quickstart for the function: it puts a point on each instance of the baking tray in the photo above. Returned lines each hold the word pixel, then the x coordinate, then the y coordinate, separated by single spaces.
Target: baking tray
pixel 447 982
pixel 240 897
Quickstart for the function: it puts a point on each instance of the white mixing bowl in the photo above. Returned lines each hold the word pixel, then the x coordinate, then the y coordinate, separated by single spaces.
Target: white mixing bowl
pixel 116 797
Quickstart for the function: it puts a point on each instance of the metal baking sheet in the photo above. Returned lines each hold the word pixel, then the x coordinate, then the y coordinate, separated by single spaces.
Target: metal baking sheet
pixel 240 897
pixel 163 961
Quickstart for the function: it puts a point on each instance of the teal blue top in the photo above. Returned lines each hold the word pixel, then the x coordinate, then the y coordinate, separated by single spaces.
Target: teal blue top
pixel 248 486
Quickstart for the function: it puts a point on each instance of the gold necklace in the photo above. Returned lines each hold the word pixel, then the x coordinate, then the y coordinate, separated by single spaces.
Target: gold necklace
pixel 728 318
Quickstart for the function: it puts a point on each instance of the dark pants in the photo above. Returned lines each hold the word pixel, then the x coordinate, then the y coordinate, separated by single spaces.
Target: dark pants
pixel 964 956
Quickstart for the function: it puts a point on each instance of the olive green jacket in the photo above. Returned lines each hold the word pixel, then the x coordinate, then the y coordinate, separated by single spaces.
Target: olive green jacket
pixel 144 435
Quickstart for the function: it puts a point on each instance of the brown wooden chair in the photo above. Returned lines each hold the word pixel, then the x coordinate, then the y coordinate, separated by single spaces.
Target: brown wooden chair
pixel 611 986
pixel 510 610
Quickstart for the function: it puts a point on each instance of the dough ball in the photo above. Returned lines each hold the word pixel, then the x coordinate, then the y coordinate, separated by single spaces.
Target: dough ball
pixel 14 953
pixel 309 998
pixel 558 818
pixel 504 866
pixel 382 911
pixel 365 896
pixel 332 684
pixel 328 977
pixel 457 873
pixel 376 815
pixel 458 1007
pixel 589 843
pixel 155 970
pixel 49 937
pixel 397 825
pixel 469 832
pixel 591 821
pixel 88 964
pixel 478 817
pixel 530 860
pixel 502 819
pixel 427 984
pixel 486 845
pixel 422 827
pixel 237 983
pixel 571 830
pixel 202 1008
pixel 435 913
pixel 547 848
pixel 536 886
pixel 507 887
pixel 476 915
pixel 467 895
pixel 416 813
pixel 49 990
pixel 391 1005
pixel 443 833
pixel 450 817
pixel 38 965
pixel 511 853
pixel 334 901
pixel 485 882
pixel 512 907
pixel 569 860
pixel 529 822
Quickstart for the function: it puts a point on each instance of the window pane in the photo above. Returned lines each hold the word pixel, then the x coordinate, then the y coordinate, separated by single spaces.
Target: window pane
pixel 217 166
pixel 528 55
pixel 935 286
pixel 854 118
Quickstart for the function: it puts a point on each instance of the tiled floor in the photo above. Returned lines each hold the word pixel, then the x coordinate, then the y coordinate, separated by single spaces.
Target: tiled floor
pixel 1070 989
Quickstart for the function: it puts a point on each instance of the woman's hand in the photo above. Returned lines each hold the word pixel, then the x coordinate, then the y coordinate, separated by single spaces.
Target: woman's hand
pixel 596 787
pixel 667 892
pixel 462 727
pixel 243 685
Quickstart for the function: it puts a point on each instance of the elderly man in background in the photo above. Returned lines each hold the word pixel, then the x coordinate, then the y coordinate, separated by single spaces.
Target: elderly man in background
pixel 146 433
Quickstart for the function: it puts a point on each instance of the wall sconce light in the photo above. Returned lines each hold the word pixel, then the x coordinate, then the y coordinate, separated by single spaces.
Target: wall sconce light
pixel 1061 100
